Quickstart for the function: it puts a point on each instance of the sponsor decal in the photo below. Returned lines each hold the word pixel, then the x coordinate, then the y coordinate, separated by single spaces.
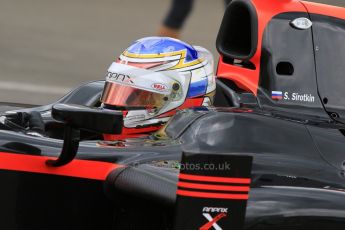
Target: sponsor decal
pixel 277 95
pixel 213 215
pixel 212 199
pixel 159 87
pixel 124 78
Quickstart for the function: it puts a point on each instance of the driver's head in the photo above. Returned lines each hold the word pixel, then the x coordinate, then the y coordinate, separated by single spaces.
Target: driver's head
pixel 154 77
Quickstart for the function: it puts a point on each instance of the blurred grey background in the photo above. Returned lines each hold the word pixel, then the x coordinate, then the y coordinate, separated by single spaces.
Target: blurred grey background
pixel 48 47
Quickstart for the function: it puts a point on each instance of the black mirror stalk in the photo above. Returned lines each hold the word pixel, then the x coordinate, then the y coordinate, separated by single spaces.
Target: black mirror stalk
pixel 69 148
pixel 76 118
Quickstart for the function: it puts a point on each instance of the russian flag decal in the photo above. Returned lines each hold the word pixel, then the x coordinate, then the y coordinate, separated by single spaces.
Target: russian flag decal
pixel 277 95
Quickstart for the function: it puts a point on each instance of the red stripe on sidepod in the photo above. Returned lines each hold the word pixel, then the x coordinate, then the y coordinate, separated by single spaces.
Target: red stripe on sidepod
pixel 213 187
pixel 215 179
pixel 212 195
pixel 95 170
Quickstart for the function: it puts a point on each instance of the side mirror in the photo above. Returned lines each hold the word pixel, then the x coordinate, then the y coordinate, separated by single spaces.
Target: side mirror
pixel 87 118
pixel 78 117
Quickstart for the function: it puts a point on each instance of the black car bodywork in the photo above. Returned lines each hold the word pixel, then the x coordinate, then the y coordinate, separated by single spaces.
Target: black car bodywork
pixel 297 147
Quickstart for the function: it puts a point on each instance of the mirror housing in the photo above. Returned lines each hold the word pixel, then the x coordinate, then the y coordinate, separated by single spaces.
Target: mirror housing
pixel 88 118
pixel 77 117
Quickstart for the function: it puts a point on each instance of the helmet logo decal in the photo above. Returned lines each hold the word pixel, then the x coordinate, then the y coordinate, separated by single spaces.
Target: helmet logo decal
pixel 119 77
pixel 180 55
pixel 159 87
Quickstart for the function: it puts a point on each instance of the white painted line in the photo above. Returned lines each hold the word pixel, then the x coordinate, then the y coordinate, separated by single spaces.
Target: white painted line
pixel 33 88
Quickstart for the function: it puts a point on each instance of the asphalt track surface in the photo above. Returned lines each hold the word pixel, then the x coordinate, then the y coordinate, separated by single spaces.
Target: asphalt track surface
pixel 47 47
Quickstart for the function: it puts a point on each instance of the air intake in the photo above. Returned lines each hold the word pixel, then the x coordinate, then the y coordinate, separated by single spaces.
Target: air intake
pixel 238 33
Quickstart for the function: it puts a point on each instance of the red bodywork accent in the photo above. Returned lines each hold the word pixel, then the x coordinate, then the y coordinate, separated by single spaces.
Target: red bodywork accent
pixel 211 195
pixel 248 79
pixel 37 164
pixel 215 179
pixel 213 187
pixel 318 8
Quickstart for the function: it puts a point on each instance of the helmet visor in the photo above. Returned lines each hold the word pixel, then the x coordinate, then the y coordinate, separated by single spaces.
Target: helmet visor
pixel 127 96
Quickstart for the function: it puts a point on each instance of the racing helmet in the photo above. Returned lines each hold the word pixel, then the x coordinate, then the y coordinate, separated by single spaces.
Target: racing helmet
pixel 153 78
